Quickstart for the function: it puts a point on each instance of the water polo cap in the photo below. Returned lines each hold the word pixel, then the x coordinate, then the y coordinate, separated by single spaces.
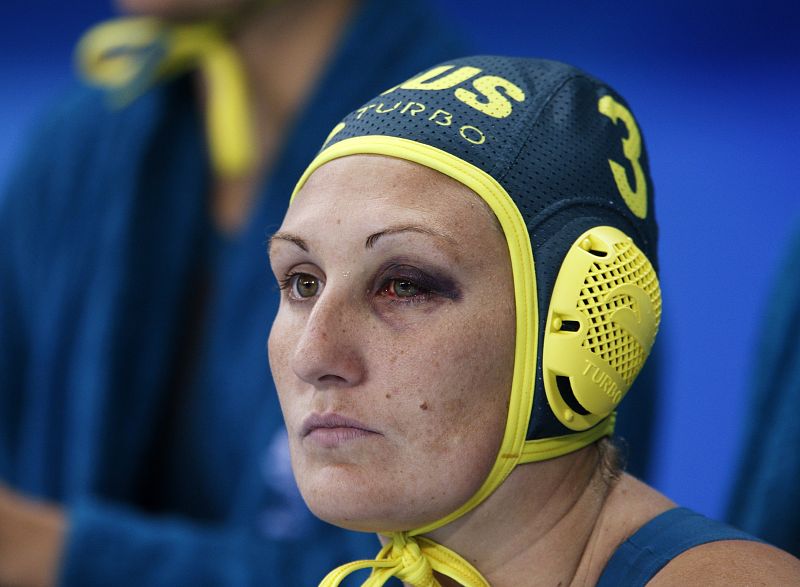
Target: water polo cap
pixel 559 158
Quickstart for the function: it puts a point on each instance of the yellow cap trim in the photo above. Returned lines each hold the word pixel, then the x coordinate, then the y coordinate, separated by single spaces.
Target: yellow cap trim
pixel 409 556
pixel 550 448
pixel 519 248
pixel 514 448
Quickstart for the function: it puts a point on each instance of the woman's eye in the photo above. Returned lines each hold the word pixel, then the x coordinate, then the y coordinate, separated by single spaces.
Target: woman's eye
pixel 302 285
pixel 305 286
pixel 403 289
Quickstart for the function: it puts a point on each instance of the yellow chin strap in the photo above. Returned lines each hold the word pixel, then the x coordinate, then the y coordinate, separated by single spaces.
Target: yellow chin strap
pixel 412 560
pixel 409 556
pixel 128 55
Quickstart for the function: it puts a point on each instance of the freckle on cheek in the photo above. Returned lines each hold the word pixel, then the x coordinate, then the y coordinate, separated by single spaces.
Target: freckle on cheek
pixel 388 396
pixel 423 406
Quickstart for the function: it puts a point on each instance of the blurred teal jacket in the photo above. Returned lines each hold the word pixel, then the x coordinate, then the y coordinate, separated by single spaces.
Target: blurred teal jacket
pixel 165 441
pixel 767 489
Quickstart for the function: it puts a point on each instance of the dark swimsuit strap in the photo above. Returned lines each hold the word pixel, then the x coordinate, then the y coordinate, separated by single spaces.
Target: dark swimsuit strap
pixel 659 541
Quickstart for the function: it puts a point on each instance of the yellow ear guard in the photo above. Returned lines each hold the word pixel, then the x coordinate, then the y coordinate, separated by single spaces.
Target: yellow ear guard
pixel 601 325
pixel 559 159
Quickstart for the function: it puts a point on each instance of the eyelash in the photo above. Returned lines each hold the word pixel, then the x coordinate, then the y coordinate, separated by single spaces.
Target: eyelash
pixel 285 283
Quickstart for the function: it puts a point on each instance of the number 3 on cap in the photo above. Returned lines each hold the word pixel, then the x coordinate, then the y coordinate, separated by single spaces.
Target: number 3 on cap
pixel 632 148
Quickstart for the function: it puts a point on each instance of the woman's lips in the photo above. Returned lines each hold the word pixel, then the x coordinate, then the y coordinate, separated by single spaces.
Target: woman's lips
pixel 331 430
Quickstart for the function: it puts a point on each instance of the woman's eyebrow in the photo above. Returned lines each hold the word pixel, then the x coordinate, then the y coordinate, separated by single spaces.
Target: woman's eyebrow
pixel 285 236
pixel 372 239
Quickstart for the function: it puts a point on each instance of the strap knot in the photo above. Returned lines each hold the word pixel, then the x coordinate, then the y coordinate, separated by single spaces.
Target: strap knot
pixel 412 559
pixel 414 568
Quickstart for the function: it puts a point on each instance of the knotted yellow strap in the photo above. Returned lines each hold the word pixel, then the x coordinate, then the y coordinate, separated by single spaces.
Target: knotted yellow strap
pixel 128 55
pixel 412 559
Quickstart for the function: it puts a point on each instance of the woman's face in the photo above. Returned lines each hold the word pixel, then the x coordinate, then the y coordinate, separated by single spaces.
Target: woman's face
pixel 393 347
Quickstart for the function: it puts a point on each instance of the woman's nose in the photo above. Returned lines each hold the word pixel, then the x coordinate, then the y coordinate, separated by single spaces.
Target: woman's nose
pixel 328 351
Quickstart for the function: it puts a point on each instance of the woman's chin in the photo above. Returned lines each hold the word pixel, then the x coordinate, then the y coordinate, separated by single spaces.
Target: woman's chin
pixel 363 521
pixel 368 515
pixel 357 498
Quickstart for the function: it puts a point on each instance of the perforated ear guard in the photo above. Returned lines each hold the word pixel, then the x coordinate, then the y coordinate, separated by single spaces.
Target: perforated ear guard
pixel 601 324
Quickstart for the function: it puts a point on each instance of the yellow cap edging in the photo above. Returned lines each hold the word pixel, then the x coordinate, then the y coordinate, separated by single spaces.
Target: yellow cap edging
pixel 514 449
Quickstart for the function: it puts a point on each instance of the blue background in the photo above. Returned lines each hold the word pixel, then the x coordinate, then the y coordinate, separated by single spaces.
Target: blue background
pixel 716 90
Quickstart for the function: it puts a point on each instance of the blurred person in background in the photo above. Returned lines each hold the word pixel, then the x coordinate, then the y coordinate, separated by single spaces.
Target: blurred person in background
pixel 140 439
pixel 767 488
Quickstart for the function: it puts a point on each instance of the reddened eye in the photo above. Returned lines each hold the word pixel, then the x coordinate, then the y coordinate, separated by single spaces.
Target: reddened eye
pixel 403 288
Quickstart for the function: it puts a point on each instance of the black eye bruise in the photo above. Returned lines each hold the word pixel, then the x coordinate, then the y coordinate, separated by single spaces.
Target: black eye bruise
pixel 402 271
pixel 405 288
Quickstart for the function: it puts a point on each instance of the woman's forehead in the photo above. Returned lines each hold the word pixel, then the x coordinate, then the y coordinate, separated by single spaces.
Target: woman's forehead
pixel 377 183
pixel 378 174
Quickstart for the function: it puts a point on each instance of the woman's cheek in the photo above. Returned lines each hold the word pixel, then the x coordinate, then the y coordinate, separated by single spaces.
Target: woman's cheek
pixel 279 346
pixel 404 315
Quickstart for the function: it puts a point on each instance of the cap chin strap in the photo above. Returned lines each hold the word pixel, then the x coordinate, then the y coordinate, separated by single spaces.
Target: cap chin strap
pixel 412 559
pixel 129 55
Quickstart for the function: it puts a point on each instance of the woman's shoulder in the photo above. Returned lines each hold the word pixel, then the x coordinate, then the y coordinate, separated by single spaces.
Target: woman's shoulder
pixel 659 544
pixel 730 563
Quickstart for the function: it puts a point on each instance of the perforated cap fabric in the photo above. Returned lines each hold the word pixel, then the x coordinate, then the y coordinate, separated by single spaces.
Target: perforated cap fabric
pixel 563 144
pixel 532 124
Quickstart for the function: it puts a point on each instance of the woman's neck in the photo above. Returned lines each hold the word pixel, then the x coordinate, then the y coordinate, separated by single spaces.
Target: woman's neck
pixel 284 47
pixel 540 527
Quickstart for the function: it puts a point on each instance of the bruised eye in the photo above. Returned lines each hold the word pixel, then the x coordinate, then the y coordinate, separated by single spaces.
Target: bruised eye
pixel 406 284
pixel 403 288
